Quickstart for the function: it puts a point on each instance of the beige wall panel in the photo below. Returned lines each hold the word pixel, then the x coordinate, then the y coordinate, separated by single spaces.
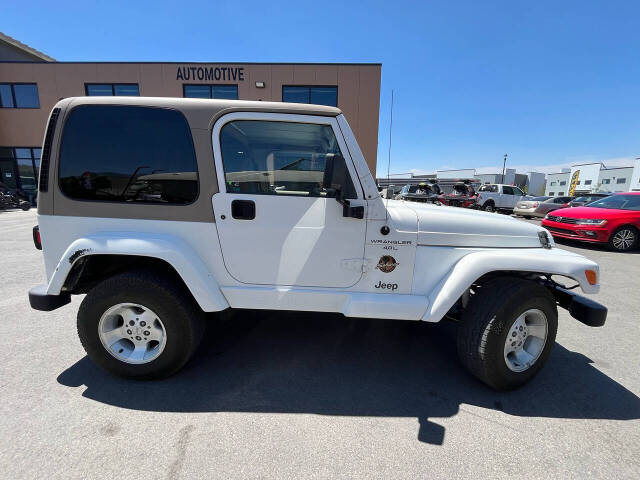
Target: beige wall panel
pixel 245 88
pixel 280 75
pixel 327 75
pixel 70 78
pixel 151 80
pixel 368 114
pixel 304 74
pixel 259 73
pixel 173 87
pixel 348 81
pixel 17 72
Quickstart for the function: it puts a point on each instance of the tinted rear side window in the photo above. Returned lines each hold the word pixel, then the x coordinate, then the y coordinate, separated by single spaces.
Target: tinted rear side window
pixel 128 154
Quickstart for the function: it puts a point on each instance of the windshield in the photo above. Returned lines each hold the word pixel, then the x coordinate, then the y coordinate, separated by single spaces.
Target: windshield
pixel 619 202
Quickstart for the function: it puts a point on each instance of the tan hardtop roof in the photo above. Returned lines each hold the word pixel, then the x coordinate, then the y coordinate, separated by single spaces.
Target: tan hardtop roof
pixel 202 112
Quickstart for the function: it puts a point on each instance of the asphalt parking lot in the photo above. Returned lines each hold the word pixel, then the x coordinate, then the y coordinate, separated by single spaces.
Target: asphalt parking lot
pixel 298 395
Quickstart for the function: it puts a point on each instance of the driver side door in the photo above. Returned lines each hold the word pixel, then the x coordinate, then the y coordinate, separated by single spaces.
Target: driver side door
pixel 276 224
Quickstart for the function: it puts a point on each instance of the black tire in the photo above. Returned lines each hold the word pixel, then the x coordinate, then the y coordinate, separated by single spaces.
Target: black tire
pixel 489 207
pixel 486 322
pixel 183 321
pixel 25 206
pixel 629 242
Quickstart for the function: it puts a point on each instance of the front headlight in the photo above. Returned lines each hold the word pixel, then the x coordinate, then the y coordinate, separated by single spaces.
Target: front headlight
pixel 591 221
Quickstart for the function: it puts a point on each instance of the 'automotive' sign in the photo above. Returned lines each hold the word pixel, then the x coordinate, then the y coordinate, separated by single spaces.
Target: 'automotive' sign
pixel 235 74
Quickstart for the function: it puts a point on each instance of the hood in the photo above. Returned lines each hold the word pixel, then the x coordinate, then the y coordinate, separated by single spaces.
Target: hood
pixel 451 226
pixel 590 212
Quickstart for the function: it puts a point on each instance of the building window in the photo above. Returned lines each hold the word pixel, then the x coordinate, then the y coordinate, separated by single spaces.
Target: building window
pixel 112 89
pixel 563 182
pixel 551 194
pixel 560 194
pixel 307 94
pixel 553 184
pixel 606 181
pixel 19 95
pixel 128 154
pixel 578 182
pixel 20 167
pixel 227 92
pixel 587 182
pixel 621 180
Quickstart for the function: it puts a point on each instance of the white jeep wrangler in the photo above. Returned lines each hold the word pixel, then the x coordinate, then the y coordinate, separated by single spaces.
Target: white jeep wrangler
pixel 161 210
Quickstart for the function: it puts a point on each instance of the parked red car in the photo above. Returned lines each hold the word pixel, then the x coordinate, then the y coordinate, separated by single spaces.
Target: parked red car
pixel 614 220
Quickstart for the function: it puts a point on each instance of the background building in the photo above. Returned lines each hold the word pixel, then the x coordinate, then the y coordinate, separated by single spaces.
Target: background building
pixel 31 83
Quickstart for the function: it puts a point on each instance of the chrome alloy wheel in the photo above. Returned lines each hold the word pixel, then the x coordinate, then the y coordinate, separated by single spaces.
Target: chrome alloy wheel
pixel 526 340
pixel 132 333
pixel 624 239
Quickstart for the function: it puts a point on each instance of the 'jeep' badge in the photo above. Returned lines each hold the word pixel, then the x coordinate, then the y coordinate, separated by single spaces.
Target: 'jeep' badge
pixel 387 264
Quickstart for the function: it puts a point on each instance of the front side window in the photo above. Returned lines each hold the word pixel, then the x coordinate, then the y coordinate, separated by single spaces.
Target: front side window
pixel 19 95
pixel 310 94
pixel 517 191
pixel 128 154
pixel 228 92
pixel 112 89
pixel 277 158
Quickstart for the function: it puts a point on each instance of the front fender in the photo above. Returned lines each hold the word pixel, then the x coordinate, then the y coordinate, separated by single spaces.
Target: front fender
pixel 476 264
pixel 176 252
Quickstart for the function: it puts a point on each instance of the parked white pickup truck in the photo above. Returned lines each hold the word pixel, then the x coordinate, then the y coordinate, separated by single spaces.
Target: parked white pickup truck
pixel 161 210
pixel 497 197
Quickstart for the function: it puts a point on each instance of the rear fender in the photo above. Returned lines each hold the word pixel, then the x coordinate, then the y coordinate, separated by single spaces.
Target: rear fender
pixel 176 252
pixel 474 265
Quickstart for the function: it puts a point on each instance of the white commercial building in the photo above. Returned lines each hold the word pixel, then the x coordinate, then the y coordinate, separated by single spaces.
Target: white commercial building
pixel 593 178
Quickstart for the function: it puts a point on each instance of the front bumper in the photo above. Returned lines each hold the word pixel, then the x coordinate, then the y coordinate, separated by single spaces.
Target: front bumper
pixel 40 300
pixel 581 308
pixel 584 233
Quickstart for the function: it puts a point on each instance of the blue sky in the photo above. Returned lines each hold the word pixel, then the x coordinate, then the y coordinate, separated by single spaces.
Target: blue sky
pixel 548 82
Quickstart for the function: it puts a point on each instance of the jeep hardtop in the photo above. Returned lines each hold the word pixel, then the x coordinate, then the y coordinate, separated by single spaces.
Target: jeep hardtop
pixel 162 210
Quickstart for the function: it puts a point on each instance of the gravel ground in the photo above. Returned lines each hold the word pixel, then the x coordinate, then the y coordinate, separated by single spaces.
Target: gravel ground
pixel 299 395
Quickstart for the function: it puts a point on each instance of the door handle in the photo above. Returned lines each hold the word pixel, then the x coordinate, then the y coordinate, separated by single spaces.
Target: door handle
pixel 243 209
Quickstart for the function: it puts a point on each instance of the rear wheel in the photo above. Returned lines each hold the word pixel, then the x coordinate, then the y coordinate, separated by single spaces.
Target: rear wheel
pixel 140 325
pixel 624 239
pixel 507 332
pixel 489 207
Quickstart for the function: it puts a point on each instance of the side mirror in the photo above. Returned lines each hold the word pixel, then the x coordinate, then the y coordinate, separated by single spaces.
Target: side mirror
pixel 336 180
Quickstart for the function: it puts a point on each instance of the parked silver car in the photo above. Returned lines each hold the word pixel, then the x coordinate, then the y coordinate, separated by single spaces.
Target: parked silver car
pixel 526 208
pixel 550 205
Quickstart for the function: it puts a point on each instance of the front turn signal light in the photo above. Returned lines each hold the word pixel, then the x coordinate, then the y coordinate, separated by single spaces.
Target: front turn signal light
pixel 592 276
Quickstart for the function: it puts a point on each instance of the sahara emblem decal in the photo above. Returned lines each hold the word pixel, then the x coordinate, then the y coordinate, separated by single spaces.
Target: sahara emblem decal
pixel 387 264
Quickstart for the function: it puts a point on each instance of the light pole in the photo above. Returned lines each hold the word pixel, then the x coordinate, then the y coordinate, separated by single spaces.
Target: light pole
pixel 504 165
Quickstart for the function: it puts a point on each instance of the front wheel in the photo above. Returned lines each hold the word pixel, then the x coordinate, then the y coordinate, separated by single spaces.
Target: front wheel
pixel 507 331
pixel 623 239
pixel 139 325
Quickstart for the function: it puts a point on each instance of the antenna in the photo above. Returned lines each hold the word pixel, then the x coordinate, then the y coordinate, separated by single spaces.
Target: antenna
pixel 389 160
